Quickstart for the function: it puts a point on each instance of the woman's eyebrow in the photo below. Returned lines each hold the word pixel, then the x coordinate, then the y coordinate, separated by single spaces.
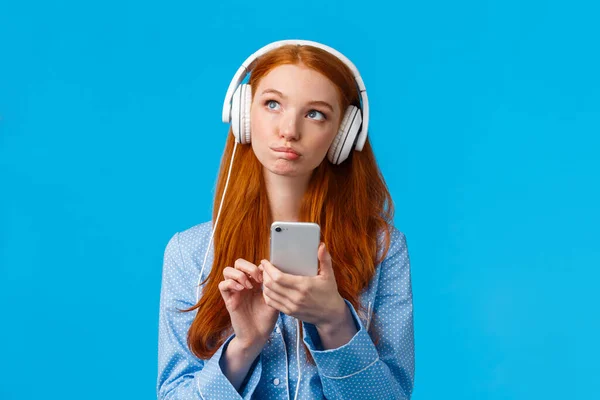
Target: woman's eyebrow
pixel 315 102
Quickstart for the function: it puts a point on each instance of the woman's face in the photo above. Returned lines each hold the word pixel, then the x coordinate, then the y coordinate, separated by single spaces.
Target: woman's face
pixel 294 117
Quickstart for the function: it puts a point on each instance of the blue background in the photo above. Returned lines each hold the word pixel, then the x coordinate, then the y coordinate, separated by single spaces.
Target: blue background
pixel 485 122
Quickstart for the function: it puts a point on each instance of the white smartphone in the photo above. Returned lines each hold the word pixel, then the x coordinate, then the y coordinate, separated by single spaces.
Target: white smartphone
pixel 294 247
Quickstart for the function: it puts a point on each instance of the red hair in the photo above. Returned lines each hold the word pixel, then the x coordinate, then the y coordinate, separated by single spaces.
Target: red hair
pixel 350 202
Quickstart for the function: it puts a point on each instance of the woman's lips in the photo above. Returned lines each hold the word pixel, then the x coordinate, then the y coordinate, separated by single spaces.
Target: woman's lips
pixel 286 152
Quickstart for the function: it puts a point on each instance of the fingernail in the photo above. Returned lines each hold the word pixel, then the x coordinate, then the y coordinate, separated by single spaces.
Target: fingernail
pixel 249 285
pixel 238 286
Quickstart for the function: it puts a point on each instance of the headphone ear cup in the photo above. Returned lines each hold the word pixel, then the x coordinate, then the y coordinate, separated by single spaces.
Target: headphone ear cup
pixel 246 96
pixel 235 114
pixel 347 133
pixel 240 113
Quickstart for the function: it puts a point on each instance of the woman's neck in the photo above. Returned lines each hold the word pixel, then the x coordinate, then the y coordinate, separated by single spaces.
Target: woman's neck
pixel 285 195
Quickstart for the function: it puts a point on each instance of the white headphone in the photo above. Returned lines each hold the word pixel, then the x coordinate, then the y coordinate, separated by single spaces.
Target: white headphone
pixel 236 107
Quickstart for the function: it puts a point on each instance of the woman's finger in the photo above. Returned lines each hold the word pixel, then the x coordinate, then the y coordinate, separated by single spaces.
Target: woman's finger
pixel 275 288
pixel 238 276
pixel 282 301
pixel 229 285
pixel 275 304
pixel 281 278
pixel 248 268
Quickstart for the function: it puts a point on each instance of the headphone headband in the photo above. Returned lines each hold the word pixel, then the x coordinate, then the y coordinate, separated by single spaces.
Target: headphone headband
pixel 245 70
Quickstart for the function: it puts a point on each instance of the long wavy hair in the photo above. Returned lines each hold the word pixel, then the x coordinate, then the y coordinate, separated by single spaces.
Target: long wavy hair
pixel 350 202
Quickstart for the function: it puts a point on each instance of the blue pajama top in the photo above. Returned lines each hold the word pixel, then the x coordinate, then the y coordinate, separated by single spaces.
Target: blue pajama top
pixel 359 369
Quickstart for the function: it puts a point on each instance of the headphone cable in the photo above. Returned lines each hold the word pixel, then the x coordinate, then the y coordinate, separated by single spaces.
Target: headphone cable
pixel 216 222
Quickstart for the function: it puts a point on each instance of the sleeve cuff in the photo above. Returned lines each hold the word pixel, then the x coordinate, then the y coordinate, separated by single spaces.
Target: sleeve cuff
pixel 212 382
pixel 358 354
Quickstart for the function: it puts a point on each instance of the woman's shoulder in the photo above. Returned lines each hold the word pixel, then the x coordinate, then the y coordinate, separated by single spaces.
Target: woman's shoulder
pixel 183 259
pixel 197 235
pixel 397 240
pixel 190 244
pixel 397 237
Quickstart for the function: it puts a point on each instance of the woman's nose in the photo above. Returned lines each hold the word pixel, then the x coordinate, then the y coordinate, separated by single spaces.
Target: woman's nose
pixel 289 127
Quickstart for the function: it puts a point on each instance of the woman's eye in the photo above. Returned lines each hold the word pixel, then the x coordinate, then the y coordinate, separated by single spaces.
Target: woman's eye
pixel 315 113
pixel 272 104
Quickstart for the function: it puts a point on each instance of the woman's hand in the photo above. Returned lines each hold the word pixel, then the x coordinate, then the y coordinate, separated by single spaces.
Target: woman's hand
pixel 251 318
pixel 312 299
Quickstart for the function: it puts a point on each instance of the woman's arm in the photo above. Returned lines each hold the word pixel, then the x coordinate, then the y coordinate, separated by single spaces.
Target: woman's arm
pixel 182 375
pixel 237 360
pixel 360 369
pixel 339 330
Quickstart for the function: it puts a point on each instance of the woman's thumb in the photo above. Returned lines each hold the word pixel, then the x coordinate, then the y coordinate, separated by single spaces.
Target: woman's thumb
pixel 324 259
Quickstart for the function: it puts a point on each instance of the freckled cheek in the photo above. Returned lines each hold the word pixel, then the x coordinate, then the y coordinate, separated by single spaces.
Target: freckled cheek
pixel 324 140
pixel 264 123
pixel 258 125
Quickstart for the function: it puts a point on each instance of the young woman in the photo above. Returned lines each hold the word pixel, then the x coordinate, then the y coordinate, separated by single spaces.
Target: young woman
pixel 233 329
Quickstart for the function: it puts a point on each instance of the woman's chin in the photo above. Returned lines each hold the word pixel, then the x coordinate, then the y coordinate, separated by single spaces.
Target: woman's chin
pixel 286 168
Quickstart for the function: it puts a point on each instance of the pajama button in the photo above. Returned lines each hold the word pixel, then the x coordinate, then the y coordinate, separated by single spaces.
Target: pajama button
pixel 276 381
pixel 277 329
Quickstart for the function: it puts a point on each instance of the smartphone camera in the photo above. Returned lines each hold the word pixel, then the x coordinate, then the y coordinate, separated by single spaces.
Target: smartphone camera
pixel 278 229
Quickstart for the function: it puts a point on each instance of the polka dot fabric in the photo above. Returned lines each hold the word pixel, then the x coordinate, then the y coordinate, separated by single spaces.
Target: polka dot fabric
pixel 357 370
